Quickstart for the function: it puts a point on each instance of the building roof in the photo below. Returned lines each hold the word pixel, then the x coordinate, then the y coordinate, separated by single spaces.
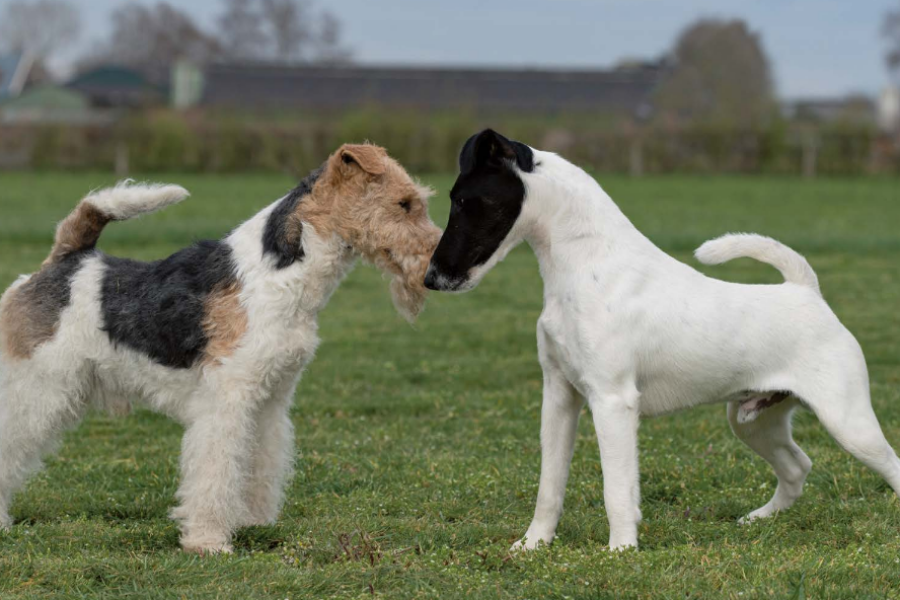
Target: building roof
pixel 51 104
pixel 341 88
pixel 49 96
pixel 115 86
pixel 14 70
pixel 850 108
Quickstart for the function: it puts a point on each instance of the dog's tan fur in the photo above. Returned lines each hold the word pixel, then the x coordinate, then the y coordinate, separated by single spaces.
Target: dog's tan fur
pixel 81 229
pixel 26 321
pixel 358 198
pixel 225 323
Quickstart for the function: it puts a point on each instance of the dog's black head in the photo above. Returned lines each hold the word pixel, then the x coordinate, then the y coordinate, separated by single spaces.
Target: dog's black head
pixel 486 200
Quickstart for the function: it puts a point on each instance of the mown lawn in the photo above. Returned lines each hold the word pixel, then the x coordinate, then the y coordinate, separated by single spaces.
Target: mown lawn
pixel 417 447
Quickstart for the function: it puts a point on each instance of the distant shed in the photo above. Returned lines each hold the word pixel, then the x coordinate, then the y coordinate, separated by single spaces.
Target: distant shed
pixel 14 70
pixel 320 88
pixel 111 86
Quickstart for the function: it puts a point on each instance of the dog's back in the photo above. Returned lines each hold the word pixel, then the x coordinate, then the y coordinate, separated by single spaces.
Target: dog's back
pixel 31 308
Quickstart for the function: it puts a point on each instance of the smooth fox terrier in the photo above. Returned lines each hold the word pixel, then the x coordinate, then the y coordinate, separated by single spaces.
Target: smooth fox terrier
pixel 215 336
pixel 634 332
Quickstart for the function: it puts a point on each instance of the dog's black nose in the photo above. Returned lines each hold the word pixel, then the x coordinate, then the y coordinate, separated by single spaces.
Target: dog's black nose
pixel 431 278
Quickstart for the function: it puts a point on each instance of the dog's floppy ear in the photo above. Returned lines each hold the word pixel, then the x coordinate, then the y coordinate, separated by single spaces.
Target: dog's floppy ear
pixel 367 157
pixel 491 148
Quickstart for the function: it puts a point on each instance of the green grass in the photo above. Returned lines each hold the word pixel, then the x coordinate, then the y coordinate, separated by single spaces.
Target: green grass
pixel 418 451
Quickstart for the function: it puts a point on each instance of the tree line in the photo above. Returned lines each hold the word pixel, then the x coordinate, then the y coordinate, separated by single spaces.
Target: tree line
pixel 716 73
pixel 148 36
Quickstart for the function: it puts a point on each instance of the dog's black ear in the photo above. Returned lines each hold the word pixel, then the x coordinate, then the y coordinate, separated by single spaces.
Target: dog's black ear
pixel 491 148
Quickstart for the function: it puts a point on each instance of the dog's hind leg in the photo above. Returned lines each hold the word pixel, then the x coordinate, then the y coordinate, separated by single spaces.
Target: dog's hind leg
pixel 842 403
pixel 33 413
pixel 769 435
pixel 855 427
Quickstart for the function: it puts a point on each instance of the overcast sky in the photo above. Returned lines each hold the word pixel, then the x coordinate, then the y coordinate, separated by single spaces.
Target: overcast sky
pixel 817 47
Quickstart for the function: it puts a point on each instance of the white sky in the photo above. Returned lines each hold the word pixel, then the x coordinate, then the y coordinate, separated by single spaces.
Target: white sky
pixel 817 47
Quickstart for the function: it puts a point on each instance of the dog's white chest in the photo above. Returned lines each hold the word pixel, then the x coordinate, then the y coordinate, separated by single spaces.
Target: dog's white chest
pixel 564 346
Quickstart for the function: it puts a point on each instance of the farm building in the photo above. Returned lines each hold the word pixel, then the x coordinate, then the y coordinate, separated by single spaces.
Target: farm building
pixel 14 71
pixel 47 103
pixel 113 86
pixel 623 91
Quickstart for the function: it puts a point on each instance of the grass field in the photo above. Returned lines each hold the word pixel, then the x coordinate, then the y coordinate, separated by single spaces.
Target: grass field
pixel 418 451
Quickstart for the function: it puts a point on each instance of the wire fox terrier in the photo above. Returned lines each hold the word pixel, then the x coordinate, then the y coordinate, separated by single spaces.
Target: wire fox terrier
pixel 634 332
pixel 215 336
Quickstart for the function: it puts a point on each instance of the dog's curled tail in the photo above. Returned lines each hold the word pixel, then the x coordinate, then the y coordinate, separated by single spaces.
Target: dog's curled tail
pixel 81 229
pixel 792 265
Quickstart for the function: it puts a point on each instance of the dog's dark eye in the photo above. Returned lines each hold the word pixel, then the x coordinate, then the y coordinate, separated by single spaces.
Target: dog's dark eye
pixel 406 205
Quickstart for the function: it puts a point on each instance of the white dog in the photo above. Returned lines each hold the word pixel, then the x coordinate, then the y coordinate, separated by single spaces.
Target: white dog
pixel 215 336
pixel 634 332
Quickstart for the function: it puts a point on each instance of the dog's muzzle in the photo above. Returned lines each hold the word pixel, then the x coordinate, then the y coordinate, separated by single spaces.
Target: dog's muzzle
pixel 431 278
pixel 434 280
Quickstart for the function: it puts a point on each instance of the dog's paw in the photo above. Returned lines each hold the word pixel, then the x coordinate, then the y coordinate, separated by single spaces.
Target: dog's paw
pixel 206 548
pixel 526 544
pixel 621 546
pixel 760 513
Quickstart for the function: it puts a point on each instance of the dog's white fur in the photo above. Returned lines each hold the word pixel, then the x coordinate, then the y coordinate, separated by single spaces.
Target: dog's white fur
pixel 238 445
pixel 634 332
pixel 129 199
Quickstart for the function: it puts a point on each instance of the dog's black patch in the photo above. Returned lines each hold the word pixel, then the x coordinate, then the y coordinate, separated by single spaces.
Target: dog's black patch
pixel 157 308
pixel 277 241
pixel 51 287
pixel 491 146
pixel 486 200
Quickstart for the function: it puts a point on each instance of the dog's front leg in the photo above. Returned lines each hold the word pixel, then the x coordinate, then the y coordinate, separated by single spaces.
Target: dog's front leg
pixel 616 418
pixel 559 419
pixel 273 457
pixel 215 457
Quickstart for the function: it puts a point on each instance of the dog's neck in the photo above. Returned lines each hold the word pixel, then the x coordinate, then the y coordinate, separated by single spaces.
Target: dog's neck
pixel 567 216
pixel 301 288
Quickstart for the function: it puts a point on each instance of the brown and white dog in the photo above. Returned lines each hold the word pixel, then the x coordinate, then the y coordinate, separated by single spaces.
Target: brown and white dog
pixel 215 336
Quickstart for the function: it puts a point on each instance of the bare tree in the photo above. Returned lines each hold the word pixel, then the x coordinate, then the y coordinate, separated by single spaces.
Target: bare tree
pixel 892 35
pixel 329 47
pixel 287 20
pixel 41 28
pixel 280 30
pixel 720 74
pixel 241 31
pixel 154 37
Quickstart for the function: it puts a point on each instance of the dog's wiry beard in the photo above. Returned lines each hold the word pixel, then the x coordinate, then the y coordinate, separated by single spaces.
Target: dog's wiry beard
pixel 409 300
pixel 408 290
pixel 403 252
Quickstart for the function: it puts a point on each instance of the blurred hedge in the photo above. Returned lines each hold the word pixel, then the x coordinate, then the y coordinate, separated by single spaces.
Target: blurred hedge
pixel 171 141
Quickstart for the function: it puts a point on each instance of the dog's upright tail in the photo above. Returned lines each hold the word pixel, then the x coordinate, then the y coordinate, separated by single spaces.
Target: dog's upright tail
pixel 81 229
pixel 792 265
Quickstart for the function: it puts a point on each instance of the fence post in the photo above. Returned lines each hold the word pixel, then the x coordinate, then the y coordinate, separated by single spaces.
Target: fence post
pixel 121 159
pixel 810 155
pixel 636 157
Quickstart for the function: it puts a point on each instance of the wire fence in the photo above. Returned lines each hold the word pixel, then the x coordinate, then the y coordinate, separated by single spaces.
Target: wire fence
pixel 173 142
